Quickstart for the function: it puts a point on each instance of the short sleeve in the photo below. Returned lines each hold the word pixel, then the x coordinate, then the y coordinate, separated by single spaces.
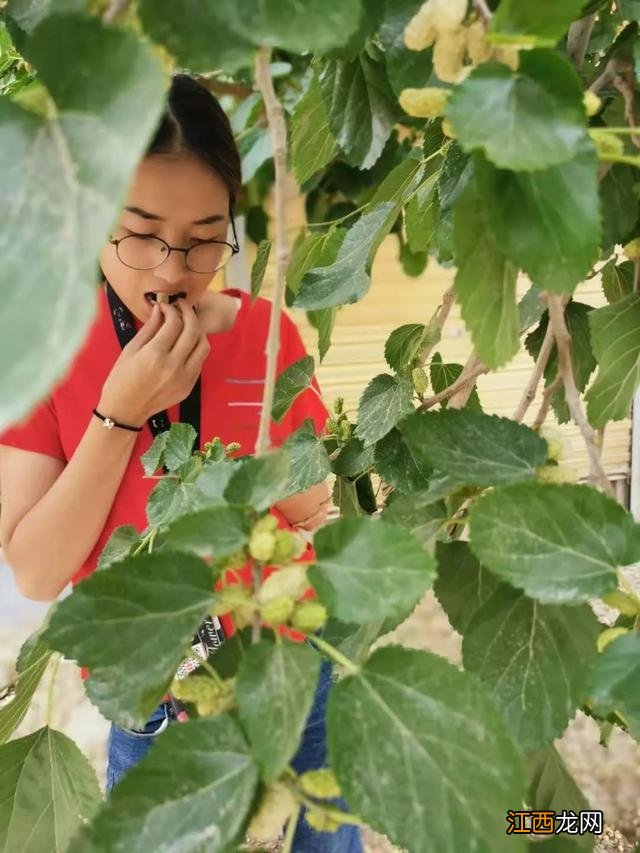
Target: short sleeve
pixel 309 403
pixel 39 432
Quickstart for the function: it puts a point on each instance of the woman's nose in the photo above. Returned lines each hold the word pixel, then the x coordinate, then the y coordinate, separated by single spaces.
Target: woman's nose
pixel 173 268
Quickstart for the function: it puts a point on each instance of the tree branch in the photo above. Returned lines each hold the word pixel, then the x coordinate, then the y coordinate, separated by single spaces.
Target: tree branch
pixel 224 87
pixel 482 9
pixel 624 83
pixel 536 375
pixel 472 369
pixel 278 130
pixel 563 342
pixel 578 39
pixel 438 321
pixel 114 10
pixel 465 380
pixel 547 397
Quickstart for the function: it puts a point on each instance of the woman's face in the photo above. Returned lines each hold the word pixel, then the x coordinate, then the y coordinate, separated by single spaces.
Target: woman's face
pixel 181 200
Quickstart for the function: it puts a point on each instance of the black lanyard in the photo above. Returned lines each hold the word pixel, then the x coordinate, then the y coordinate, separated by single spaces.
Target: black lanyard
pixel 210 635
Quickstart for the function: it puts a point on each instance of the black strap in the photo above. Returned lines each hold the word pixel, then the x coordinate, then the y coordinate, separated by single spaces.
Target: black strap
pixel 211 634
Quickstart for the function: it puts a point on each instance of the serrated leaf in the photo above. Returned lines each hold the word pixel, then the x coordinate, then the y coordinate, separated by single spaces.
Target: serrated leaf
pixel 546 23
pixel 423 519
pixel 385 401
pixel 46 160
pixel 118 546
pixel 522 120
pixel 396 463
pixel 361 107
pixel 171 499
pixel 33 660
pixel 546 222
pixel 530 308
pixel 345 497
pixel 308 459
pixel 615 681
pixel 312 143
pixel 323 322
pixel 619 204
pixel 143 613
pixel 474 448
pixel 582 359
pixel 213 480
pixel 463 585
pixel 454 176
pixel 259 267
pixel 615 338
pixel 216 531
pixel 444 374
pixel 178 796
pixel 367 570
pixel 314 250
pixel 401 181
pixel 561 544
pixel 353 458
pixel 443 757
pixel 197 34
pixel 405 68
pixel 403 345
pixel 422 216
pixel 485 284
pixel 274 690
pixel 617 280
pixel 153 458
pixel 259 481
pixel 47 790
pixel 290 384
pixel 346 279
pixel 534 658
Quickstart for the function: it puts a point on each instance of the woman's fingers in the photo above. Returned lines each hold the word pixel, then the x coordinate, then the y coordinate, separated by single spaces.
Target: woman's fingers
pixel 190 334
pixel 147 331
pixel 170 331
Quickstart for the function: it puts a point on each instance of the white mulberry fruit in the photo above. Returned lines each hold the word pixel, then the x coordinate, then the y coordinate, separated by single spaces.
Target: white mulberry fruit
pixel 424 103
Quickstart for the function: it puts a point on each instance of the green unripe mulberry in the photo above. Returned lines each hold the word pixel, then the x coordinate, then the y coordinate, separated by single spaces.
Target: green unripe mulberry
pixel 267 524
pixel 278 610
pixel 321 821
pixel 261 546
pixel 309 616
pixel 321 784
pixel 276 807
pixel 420 381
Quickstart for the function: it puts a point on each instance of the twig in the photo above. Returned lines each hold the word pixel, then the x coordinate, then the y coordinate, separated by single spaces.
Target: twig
pixel 536 375
pixel 114 10
pixel 464 381
pixel 472 369
pixel 547 397
pixel 482 9
pixel 278 130
pixel 578 39
pixel 606 78
pixel 54 672
pixel 563 342
pixel 438 320
pixel 334 654
pixel 224 87
pixel 287 844
pixel 624 83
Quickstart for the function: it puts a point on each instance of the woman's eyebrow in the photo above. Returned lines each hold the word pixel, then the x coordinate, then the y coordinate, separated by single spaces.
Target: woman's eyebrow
pixel 208 220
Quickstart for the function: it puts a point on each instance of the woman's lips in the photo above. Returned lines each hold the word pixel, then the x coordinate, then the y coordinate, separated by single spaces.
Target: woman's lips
pixel 153 296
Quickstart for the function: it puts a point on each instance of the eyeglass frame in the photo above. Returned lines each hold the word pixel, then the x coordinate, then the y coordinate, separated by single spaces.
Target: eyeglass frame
pixel 235 248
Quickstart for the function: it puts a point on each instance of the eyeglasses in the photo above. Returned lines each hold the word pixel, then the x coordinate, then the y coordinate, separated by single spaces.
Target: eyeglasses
pixel 139 252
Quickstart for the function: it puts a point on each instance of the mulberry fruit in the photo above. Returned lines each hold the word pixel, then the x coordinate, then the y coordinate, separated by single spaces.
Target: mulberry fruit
pixel 424 103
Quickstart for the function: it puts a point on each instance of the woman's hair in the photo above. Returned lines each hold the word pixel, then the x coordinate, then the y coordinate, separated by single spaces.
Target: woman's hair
pixel 194 122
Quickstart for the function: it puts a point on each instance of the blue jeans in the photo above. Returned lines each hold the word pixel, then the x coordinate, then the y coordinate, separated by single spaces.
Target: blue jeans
pixel 126 748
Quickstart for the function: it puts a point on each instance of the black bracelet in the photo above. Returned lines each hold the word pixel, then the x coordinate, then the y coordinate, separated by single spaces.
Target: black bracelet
pixel 109 423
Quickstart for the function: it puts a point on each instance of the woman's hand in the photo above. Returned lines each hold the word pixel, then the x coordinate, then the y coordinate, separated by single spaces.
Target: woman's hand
pixel 158 367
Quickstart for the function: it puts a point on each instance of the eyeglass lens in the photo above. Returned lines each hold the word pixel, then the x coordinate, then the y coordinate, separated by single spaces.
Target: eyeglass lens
pixel 146 253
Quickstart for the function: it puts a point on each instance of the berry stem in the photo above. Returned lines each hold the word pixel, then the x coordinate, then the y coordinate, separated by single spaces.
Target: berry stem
pixel 208 668
pixel 287 844
pixel 334 654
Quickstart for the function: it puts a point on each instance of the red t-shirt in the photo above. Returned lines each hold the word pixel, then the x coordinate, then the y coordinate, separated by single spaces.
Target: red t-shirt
pixel 232 384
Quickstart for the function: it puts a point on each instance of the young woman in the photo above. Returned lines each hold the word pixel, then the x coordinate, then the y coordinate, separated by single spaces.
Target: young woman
pixel 71 471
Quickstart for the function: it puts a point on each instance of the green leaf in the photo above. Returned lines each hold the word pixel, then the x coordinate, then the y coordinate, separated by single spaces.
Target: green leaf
pixel 214 479
pixel 367 570
pixel 582 359
pixel 401 181
pixel 361 107
pixel 530 308
pixel 546 222
pixel 546 23
pixel 274 690
pixel 33 660
pixel 423 519
pixel 615 681
pixel 421 217
pixel 290 384
pixel 255 147
pixel 443 759
pixel 619 204
pixel 462 585
pixel 216 531
pixel 345 497
pixel 615 338
pixel 178 797
pixel 197 34
pixel 535 660
pixel 443 374
pixel 353 459
pixel 171 449
pixel 143 613
pixel 485 284
pixel 312 143
pixel 315 26
pixel 474 448
pixel 171 499
pixel 323 322
pixel 259 481
pixel 617 280
pixel 385 401
pixel 27 14
pixel 153 458
pixel 454 176
pixel 315 250
pixel 403 345
pixel 48 790
pixel 522 120
pixel 44 161
pixel 397 464
pixel 308 458
pixel 118 546
pixel 413 263
pixel 561 544
pixel 259 267
pixel 405 68
pixel 346 280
